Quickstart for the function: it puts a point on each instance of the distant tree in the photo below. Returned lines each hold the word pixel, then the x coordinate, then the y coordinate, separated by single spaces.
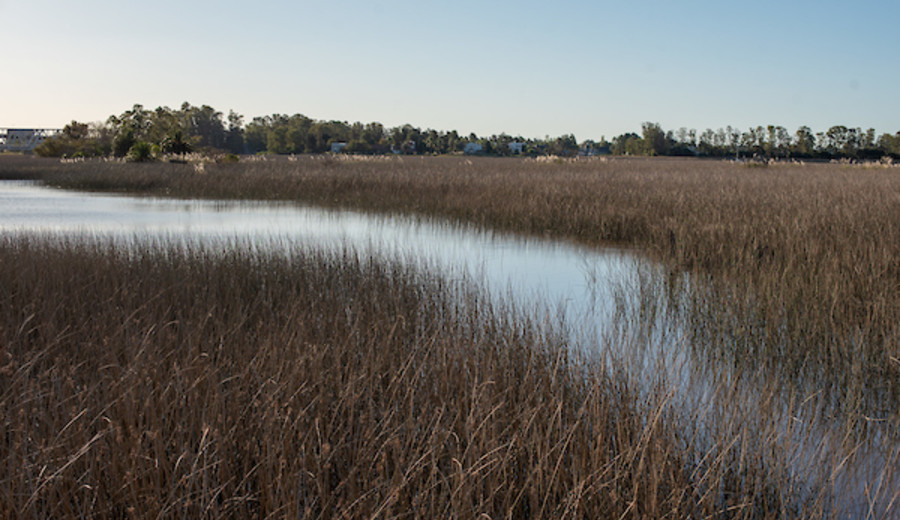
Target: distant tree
pixel 889 144
pixel 841 141
pixel 298 127
pixel 627 144
pixel 734 140
pixel 137 121
pixel 256 134
pixel 655 141
pixel 204 125
pixel 782 141
pixel 682 142
pixel 76 130
pixel 322 133
pixel 564 145
pixel 175 144
pixel 234 136
pixel 706 144
pixel 500 144
pixel 373 133
pixel 868 139
pixel 448 142
pixel 277 140
pixel 75 140
pixel 141 151
pixel 358 146
pixel 804 142
pixel 164 122
pixel 123 142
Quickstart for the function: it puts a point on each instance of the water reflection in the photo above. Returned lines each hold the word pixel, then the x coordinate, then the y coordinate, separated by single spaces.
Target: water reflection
pixel 574 281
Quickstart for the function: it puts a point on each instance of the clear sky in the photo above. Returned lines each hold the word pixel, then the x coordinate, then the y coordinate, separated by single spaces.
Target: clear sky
pixel 525 68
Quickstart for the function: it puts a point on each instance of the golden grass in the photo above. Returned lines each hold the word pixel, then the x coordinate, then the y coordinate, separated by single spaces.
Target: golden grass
pixel 367 390
pixel 172 382
pixel 802 254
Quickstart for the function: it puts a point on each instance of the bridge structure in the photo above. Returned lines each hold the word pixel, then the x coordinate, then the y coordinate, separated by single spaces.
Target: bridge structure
pixel 24 139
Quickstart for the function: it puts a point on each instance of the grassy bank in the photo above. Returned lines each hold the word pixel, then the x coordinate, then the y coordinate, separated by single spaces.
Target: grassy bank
pixel 794 265
pixel 183 382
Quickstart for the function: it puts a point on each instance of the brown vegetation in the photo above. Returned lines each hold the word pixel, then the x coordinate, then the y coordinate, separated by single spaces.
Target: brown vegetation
pixel 164 382
pixel 803 255
pixel 183 382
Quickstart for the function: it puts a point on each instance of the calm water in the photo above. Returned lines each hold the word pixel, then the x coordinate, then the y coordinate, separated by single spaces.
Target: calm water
pixel 564 279
pixel 581 287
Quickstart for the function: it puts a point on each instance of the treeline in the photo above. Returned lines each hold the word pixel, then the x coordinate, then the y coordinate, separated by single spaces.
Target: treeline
pixel 771 141
pixel 143 134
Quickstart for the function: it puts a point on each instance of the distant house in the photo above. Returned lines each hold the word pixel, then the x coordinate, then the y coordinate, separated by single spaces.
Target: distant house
pixel 23 139
pixel 472 148
pixel 516 147
pixel 337 147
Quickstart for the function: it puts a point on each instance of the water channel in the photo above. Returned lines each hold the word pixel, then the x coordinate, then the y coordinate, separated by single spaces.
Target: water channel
pixel 582 288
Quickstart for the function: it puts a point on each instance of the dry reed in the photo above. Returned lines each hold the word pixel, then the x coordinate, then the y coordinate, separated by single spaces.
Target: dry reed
pixel 804 255
pixel 175 382
pixel 364 390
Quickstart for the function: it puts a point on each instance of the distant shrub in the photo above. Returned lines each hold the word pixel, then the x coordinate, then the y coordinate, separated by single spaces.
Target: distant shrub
pixel 123 143
pixel 358 146
pixel 228 158
pixel 51 148
pixel 140 151
pixel 175 144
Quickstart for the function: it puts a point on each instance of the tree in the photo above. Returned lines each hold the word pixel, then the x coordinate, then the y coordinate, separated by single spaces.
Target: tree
pixel 734 139
pixel 140 152
pixel 277 141
pixel 564 145
pixel 204 125
pixel 234 136
pixel 175 144
pixel 683 142
pixel 707 143
pixel 889 144
pixel 256 134
pixel 76 130
pixel 782 141
pixel 804 142
pixel 358 146
pixel 373 133
pixel 137 121
pixel 655 141
pixel 123 142
pixel 626 144
pixel 840 140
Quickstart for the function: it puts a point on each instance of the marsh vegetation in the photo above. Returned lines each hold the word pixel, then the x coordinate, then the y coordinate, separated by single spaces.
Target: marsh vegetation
pixel 176 381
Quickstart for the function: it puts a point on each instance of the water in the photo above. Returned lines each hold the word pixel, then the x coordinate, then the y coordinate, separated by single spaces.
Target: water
pixel 567 280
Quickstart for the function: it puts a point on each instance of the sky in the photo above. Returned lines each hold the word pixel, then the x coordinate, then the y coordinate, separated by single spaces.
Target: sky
pixel 527 68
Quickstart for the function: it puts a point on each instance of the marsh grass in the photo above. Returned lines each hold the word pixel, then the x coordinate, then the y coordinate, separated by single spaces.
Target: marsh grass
pixel 798 260
pixel 184 381
pixel 364 389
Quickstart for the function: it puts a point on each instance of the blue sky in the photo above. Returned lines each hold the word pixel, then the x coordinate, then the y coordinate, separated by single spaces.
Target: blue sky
pixel 525 68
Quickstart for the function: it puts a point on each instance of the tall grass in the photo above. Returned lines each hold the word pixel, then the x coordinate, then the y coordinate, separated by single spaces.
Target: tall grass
pixel 797 261
pixel 381 395
pixel 165 381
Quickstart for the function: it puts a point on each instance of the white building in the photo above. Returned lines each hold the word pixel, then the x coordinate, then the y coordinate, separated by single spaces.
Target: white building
pixel 23 139
pixel 471 148
pixel 337 147
pixel 516 147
